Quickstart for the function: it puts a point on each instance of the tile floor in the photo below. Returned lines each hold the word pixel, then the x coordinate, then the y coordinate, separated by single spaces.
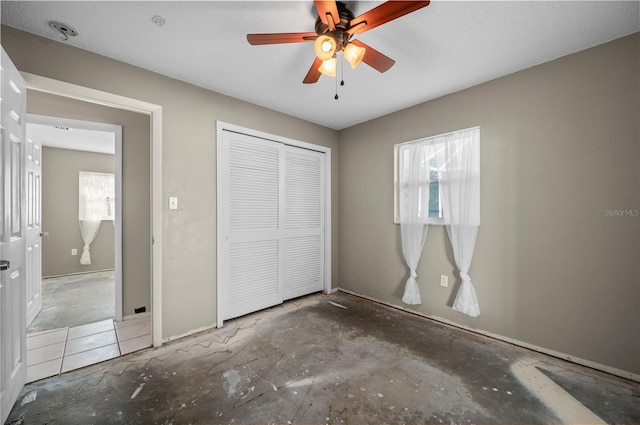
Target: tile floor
pixel 57 351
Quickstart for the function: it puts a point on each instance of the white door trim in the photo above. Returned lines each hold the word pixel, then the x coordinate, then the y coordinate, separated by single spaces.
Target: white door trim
pixel 73 91
pixel 117 130
pixel 223 126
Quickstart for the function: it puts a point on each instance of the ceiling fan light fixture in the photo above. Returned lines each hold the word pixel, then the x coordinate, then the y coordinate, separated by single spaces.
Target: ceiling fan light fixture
pixel 335 24
pixel 328 67
pixel 353 54
pixel 325 47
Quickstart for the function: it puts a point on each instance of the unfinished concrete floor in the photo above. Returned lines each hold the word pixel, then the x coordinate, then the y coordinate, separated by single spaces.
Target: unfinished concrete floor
pixel 75 300
pixel 332 359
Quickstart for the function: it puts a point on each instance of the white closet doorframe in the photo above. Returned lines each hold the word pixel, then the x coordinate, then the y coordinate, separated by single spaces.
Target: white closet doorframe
pixel 220 128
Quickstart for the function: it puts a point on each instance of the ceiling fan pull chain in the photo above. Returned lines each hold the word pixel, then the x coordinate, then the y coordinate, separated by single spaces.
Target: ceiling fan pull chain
pixel 336 96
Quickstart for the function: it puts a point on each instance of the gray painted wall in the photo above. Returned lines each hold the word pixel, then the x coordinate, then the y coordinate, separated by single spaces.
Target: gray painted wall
pixel 60 168
pixel 560 146
pixel 136 187
pixel 189 162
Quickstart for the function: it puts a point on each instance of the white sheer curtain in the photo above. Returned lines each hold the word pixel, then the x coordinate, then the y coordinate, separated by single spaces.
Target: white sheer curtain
pixel 460 198
pixel 413 180
pixel 96 202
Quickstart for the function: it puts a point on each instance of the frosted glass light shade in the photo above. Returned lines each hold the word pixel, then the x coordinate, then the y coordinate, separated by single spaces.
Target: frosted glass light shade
pixel 353 54
pixel 324 47
pixel 328 67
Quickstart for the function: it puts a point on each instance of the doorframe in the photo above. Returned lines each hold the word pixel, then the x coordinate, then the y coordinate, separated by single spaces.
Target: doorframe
pixel 224 126
pixel 117 130
pixel 154 111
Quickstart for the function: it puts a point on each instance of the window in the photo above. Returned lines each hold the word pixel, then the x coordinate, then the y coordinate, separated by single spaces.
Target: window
pixel 433 155
pixel 96 196
pixel 437 181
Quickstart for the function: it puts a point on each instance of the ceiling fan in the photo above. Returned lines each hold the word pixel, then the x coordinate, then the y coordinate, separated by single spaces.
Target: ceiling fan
pixel 334 29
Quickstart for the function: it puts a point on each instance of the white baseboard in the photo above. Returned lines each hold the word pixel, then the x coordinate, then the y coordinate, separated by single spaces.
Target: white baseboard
pixel 195 331
pixel 78 273
pixel 137 316
pixel 583 362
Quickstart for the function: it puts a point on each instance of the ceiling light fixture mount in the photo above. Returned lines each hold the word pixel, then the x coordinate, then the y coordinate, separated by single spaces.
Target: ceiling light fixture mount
pixel 65 30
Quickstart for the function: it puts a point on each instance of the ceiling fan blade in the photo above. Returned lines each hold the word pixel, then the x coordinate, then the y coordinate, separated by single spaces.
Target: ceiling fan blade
pixel 328 12
pixel 313 75
pixel 374 58
pixel 382 14
pixel 283 37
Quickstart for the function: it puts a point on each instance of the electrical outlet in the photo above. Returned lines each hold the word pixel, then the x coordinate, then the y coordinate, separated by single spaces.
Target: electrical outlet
pixel 74 251
pixel 444 280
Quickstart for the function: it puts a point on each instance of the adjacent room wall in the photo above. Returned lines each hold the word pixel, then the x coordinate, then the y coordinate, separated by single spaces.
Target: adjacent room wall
pixel 189 162
pixel 557 257
pixel 60 170
pixel 136 187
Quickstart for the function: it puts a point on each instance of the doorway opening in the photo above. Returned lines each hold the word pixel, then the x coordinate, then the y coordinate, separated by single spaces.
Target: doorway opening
pixel 14 254
pixel 80 284
pixel 41 84
pixel 81 267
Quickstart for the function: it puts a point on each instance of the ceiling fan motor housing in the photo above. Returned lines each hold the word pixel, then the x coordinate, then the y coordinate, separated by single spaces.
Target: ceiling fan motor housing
pixel 340 34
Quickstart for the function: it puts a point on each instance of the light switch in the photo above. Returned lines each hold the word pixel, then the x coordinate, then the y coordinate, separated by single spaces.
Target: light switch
pixel 173 202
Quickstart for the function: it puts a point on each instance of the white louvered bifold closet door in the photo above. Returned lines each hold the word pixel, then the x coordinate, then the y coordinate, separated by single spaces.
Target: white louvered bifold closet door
pixel 251 246
pixel 304 222
pixel 273 224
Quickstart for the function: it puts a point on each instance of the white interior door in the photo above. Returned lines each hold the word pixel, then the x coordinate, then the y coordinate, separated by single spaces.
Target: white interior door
pixel 303 222
pixel 13 304
pixel 33 260
pixel 251 243
pixel 271 240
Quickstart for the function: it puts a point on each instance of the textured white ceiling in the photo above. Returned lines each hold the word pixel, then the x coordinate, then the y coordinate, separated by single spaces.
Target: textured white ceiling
pixel 440 49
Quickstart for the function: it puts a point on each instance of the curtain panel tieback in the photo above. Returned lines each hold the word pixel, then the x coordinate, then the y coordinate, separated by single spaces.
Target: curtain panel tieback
pixel 466 300
pixel 88 231
pixel 85 258
pixel 411 291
